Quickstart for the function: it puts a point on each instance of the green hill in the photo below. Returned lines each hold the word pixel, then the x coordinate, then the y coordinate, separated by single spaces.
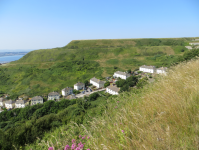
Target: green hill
pixel 42 71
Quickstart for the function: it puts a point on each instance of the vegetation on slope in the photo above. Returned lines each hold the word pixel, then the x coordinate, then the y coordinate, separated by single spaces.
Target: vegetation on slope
pixel 43 71
pixel 163 115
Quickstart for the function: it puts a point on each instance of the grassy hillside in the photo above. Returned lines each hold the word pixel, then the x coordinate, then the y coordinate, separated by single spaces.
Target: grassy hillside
pixel 163 115
pixel 42 71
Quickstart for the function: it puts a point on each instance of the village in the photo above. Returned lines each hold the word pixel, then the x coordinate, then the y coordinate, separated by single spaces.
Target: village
pixel 95 85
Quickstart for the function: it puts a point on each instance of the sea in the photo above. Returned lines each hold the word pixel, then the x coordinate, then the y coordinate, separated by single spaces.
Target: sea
pixel 6 59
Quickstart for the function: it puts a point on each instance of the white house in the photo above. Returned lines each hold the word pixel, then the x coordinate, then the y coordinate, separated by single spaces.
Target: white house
pixel 194 43
pixel 53 96
pixel 79 86
pixel 37 100
pixel 112 90
pixel 122 75
pixel 96 82
pixel 67 91
pixel 149 69
pixel 2 102
pixel 9 104
pixel 161 70
pixel 21 103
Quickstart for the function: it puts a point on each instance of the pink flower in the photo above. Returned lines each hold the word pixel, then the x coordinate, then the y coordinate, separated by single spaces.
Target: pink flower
pixel 115 106
pixel 77 148
pixel 80 136
pixel 83 137
pixel 73 141
pixel 67 147
pixel 50 148
pixel 88 149
pixel 81 146
pixel 123 131
pixel 88 137
pixel 73 146
pixel 118 101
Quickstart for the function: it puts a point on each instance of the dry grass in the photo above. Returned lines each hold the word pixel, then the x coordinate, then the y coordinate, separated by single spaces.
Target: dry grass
pixel 164 116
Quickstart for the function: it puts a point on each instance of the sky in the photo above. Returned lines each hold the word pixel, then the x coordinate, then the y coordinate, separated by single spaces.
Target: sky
pixel 40 24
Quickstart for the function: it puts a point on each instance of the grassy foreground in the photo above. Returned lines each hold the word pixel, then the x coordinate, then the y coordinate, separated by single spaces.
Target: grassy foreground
pixel 164 115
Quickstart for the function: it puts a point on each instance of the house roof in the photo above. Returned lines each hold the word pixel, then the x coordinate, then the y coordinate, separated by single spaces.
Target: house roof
pixel 148 67
pixel 162 68
pixel 9 102
pixel 67 89
pixel 37 97
pixel 71 97
pixel 79 84
pixel 97 80
pixel 121 73
pixel 2 99
pixel 114 88
pixel 53 94
pixel 21 102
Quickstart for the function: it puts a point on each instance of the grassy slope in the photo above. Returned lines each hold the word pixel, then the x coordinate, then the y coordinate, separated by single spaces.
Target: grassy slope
pixel 122 53
pixel 164 115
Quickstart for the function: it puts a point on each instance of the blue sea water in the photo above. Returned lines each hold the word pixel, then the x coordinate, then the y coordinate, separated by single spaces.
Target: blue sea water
pixel 6 59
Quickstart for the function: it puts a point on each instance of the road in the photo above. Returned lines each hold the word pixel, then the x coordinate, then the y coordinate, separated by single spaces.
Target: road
pixel 88 93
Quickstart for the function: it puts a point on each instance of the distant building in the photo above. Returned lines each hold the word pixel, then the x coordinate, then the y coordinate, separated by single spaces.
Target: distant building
pixel 161 70
pixel 2 102
pixel 194 43
pixel 67 91
pixel 79 86
pixel 113 90
pixel 53 96
pixel 37 100
pixel 9 104
pixel 148 69
pixel 122 75
pixel 96 82
pixel 188 47
pixel 21 103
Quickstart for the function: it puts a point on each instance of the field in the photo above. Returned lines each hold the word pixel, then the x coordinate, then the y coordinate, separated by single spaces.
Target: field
pixel 42 71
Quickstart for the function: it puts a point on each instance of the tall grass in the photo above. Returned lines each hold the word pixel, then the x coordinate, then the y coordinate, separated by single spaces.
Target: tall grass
pixel 164 115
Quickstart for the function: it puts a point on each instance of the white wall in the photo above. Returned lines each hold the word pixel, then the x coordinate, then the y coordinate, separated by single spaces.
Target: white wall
pixel 67 92
pixel 147 70
pixel 78 87
pixel 111 92
pixel 121 76
pixel 160 71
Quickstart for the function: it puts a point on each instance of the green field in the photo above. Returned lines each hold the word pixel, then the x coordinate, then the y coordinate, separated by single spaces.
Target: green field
pixel 42 71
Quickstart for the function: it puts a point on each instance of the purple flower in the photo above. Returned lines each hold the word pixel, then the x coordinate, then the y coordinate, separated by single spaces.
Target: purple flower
pixel 88 149
pixel 88 137
pixel 83 137
pixel 81 146
pixel 67 147
pixel 80 136
pixel 123 131
pixel 50 148
pixel 73 141
pixel 73 146
pixel 118 101
pixel 77 148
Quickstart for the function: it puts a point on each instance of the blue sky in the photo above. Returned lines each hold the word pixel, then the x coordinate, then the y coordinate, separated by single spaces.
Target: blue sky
pixel 40 24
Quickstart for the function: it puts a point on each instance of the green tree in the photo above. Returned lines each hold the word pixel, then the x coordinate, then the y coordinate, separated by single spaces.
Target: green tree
pixel 106 84
pixel 129 70
pixel 86 82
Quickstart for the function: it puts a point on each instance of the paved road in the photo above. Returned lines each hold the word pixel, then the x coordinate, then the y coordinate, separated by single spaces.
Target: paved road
pixel 88 93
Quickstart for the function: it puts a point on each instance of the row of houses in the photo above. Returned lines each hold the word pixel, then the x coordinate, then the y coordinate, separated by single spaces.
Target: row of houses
pixel 153 69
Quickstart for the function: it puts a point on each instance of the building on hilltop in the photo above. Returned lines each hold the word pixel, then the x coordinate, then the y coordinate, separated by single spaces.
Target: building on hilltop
pixel 37 100
pixel 97 82
pixel 113 90
pixel 161 70
pixel 53 96
pixel 2 102
pixel 79 86
pixel 122 75
pixel 9 104
pixel 21 103
pixel 67 91
pixel 148 69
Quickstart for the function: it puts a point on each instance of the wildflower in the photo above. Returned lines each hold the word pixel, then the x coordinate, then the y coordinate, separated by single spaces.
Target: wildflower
pixel 73 141
pixel 88 137
pixel 88 149
pixel 73 146
pixel 123 131
pixel 81 146
pixel 118 101
pixel 83 137
pixel 77 148
pixel 50 148
pixel 80 136
pixel 115 106
pixel 67 147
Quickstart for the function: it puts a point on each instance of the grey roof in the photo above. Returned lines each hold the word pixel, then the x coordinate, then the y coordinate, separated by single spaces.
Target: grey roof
pixel 97 80
pixel 21 102
pixel 114 88
pixel 71 97
pixel 148 67
pixel 2 99
pixel 162 68
pixel 67 89
pixel 9 102
pixel 80 84
pixel 53 94
pixel 121 73
pixel 37 97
